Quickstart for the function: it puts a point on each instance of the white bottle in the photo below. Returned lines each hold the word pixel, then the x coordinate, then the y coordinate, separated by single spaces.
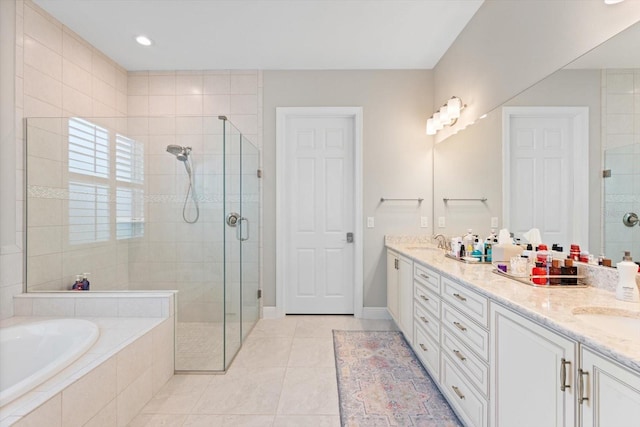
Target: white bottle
pixel 468 240
pixel 627 290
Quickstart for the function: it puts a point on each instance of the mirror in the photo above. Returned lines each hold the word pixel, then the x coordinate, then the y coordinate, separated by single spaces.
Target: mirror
pixel 468 166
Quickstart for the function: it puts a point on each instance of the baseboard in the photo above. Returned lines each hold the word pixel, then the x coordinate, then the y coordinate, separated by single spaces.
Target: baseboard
pixel 375 313
pixel 271 312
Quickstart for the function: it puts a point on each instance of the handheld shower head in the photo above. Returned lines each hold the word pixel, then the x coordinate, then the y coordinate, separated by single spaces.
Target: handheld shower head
pixel 181 153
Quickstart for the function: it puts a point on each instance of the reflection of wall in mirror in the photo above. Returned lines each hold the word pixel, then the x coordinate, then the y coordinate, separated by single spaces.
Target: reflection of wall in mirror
pixel 621 147
pixel 469 164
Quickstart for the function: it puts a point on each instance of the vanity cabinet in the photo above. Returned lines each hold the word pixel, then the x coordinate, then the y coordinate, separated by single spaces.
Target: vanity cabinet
pixel 426 320
pixel 532 381
pixel 400 292
pixel 608 393
pixel 464 360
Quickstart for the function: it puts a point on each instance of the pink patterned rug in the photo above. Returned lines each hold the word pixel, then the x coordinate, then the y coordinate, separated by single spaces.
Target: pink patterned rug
pixel 382 383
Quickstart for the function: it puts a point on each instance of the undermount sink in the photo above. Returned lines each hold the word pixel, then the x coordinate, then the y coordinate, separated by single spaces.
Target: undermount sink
pixel 619 322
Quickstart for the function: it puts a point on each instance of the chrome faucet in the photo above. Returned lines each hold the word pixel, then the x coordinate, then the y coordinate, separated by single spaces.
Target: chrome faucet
pixel 443 243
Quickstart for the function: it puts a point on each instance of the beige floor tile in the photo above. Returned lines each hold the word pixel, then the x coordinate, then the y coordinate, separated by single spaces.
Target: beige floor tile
pixel 185 384
pixel 320 326
pixel 172 404
pixel 229 421
pixel 243 391
pixel 158 420
pixel 309 392
pixel 282 327
pixel 263 351
pixel 307 421
pixel 312 352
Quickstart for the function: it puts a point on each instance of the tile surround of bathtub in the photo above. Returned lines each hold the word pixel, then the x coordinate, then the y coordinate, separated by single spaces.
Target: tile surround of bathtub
pixel 132 359
pixel 96 304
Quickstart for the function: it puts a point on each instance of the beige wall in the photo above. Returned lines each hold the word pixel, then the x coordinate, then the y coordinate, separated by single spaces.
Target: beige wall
pixel 396 155
pixel 510 45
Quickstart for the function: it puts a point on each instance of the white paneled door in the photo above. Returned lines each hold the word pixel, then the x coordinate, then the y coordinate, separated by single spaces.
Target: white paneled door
pixel 545 184
pixel 319 214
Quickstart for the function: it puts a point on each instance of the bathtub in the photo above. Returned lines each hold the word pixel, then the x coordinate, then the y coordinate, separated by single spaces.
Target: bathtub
pixel 31 353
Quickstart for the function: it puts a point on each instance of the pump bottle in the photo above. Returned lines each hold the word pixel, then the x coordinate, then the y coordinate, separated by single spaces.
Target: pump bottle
pixel 627 290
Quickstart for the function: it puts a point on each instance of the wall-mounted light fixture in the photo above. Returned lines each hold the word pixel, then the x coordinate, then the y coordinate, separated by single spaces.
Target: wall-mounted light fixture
pixel 447 115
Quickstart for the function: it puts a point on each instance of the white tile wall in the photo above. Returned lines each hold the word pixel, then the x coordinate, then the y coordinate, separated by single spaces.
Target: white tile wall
pixel 621 154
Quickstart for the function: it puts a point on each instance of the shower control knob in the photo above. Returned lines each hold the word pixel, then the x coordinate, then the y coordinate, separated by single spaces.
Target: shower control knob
pixel 232 219
pixel 630 219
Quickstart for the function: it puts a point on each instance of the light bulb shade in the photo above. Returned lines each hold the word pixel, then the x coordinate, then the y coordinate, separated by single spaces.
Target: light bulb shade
pixel 454 105
pixel 431 128
pixel 437 122
pixel 444 115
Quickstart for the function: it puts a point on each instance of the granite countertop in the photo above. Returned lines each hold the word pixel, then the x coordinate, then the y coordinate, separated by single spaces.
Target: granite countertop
pixel 553 307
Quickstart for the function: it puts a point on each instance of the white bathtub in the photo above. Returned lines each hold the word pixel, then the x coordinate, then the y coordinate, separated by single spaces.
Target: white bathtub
pixel 31 353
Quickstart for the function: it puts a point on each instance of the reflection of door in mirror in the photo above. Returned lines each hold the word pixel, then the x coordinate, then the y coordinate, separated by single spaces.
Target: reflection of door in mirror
pixel 621 196
pixel 545 172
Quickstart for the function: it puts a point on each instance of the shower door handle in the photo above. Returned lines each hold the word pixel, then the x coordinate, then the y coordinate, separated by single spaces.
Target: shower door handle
pixel 240 230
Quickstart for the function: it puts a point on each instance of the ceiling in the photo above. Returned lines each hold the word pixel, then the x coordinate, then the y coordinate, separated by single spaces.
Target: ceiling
pixel 268 34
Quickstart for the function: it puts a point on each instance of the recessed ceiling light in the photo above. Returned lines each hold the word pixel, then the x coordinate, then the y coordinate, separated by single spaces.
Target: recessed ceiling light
pixel 143 40
pixel 613 1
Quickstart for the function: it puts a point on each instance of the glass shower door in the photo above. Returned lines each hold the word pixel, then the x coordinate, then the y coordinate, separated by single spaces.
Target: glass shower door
pixel 250 235
pixel 232 243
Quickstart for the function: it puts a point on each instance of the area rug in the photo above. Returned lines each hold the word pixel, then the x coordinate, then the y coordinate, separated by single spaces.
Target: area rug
pixel 382 383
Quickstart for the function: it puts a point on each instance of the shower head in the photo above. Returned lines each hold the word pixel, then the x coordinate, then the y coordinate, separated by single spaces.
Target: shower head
pixel 181 153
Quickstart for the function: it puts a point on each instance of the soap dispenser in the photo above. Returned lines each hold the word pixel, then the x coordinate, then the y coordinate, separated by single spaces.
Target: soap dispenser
pixel 85 281
pixel 77 286
pixel 627 290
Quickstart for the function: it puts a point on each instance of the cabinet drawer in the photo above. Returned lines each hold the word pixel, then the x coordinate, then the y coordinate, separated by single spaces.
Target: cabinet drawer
pixel 466 361
pixel 428 322
pixel 471 407
pixel 430 278
pixel 469 302
pixel 428 299
pixel 428 352
pixel 470 334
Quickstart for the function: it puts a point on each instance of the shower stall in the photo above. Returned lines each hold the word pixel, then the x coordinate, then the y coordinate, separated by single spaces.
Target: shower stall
pixel 150 203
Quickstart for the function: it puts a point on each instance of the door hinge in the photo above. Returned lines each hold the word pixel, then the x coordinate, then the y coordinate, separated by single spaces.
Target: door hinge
pixel 259 293
pixel 606 173
pixel 259 173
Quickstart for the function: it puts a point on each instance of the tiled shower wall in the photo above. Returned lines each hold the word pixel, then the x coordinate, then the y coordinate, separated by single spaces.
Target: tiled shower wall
pixel 58 74
pixel 175 254
pixel 621 153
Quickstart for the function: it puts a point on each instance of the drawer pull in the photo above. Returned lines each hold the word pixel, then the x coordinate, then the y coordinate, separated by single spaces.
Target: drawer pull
pixel 563 374
pixel 460 297
pixel 423 347
pixel 424 297
pixel 424 319
pixel 458 392
pixel 459 355
pixel 424 276
pixel 460 326
pixel 581 375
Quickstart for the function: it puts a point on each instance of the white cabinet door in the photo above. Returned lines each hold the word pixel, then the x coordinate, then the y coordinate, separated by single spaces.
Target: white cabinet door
pixel 405 297
pixel 612 392
pixel 532 373
pixel 392 284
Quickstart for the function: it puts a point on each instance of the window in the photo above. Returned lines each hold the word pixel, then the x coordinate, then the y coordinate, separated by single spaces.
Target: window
pixel 88 182
pixel 129 190
pixel 88 213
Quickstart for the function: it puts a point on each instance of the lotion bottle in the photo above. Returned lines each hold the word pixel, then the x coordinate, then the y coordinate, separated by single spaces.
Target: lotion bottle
pixel 627 290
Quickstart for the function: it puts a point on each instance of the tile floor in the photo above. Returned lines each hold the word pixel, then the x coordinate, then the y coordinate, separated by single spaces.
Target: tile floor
pixel 284 375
